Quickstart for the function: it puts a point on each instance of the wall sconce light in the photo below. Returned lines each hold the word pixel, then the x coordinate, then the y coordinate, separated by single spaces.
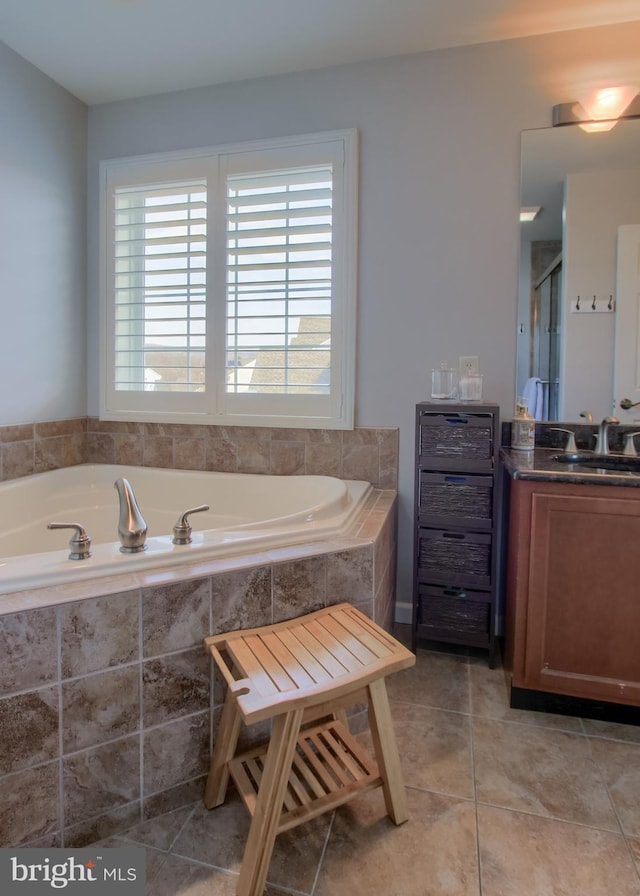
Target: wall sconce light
pixel 599 110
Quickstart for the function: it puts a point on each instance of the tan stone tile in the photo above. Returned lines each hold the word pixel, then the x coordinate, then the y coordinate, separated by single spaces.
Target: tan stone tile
pixel 287 458
pixel 189 454
pixel 218 837
pixel 361 462
pixel 101 780
pixel 175 753
pixel 524 854
pixel 432 854
pixel 157 451
pixel 175 685
pixel 175 616
pixel 490 699
pixel 634 848
pixel 17 432
pixel 128 449
pixel 241 599
pixel 100 447
pixel 434 747
pixel 100 707
pixel 107 823
pixel 29 729
pixel 350 575
pixel 542 771
pixel 612 730
pixel 176 875
pixel 299 587
pixel 323 459
pixel 99 633
pixel 159 832
pixel 29 804
pixel 619 764
pixel 28 651
pixel 439 680
pixel 18 459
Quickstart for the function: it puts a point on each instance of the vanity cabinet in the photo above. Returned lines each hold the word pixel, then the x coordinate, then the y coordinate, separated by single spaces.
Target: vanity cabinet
pixel 456 519
pixel 573 591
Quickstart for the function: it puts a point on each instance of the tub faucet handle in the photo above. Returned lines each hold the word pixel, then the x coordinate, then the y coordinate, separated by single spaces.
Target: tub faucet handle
pixel 80 543
pixel 182 529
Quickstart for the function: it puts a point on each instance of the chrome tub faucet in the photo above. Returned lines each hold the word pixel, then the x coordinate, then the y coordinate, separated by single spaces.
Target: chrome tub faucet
pixel 132 528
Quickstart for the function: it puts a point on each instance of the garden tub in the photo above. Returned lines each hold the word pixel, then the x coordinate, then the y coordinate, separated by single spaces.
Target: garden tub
pixel 248 513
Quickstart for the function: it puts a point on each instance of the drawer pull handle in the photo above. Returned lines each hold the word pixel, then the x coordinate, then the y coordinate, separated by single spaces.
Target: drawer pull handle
pixel 455 478
pixel 456 421
pixel 453 535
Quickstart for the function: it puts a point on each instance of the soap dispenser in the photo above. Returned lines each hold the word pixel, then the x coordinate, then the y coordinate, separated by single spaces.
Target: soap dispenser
pixel 523 427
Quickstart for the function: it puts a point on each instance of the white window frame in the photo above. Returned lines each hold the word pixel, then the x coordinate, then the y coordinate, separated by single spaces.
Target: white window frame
pixel 216 405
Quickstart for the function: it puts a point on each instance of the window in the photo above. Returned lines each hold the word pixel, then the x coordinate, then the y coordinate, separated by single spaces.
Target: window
pixel 228 284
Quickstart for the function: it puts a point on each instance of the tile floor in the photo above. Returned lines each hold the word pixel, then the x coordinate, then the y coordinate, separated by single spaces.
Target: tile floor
pixel 502 803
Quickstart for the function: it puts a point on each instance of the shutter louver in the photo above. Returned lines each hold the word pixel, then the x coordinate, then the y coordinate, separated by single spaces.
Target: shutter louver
pixel 279 281
pixel 159 265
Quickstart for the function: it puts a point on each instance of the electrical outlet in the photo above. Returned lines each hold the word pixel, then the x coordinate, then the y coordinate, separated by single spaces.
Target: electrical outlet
pixel 469 365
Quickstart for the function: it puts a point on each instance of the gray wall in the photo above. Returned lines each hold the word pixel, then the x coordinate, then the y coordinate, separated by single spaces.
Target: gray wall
pixel 42 246
pixel 439 195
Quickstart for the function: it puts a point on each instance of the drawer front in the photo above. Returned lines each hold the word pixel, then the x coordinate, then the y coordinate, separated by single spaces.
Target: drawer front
pixel 461 613
pixel 448 440
pixel 455 499
pixel 450 557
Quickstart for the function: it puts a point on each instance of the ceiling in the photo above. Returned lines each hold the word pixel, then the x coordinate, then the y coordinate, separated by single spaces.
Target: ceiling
pixel 104 50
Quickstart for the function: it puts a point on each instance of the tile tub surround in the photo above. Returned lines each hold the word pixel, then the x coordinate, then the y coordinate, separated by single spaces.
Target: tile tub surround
pixel 366 453
pixel 108 708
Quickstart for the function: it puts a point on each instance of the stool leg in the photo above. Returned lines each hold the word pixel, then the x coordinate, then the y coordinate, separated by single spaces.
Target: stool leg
pixel 266 817
pixel 386 750
pixel 223 751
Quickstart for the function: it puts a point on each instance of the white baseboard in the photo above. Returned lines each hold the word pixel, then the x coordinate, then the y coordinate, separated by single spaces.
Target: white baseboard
pixel 404 613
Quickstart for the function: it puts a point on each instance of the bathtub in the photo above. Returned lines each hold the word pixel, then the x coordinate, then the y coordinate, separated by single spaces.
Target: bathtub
pixel 248 513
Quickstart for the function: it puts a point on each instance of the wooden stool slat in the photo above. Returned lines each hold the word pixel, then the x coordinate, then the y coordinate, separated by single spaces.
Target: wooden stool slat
pixel 307 660
pixel 288 660
pixel 324 656
pixel 365 637
pixel 321 631
pixel 251 668
pixel 272 665
pixel 350 641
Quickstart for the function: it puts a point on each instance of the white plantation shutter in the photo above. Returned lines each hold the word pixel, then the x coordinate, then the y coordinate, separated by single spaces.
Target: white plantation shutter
pixel 229 284
pixel 279 281
pixel 159 262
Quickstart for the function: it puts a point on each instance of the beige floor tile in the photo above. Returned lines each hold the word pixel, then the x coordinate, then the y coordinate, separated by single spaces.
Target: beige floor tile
pixel 634 848
pixel 612 730
pixel 542 771
pixel 432 854
pixel 437 680
pixel 620 767
pixel 434 747
pixel 490 699
pixel 525 855
pixel 189 879
pixel 160 832
pixel 218 837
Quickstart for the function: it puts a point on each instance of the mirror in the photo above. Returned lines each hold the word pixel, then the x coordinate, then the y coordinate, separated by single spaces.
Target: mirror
pixel 587 184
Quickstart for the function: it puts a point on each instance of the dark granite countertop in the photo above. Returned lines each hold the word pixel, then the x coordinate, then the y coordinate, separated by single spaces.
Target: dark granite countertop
pixel 539 464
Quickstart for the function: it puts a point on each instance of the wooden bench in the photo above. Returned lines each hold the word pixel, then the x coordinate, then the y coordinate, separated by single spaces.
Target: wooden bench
pixel 303 674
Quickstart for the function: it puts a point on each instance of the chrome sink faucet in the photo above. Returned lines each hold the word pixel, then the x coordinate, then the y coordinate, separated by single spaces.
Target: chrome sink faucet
pixel 602 439
pixel 132 528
